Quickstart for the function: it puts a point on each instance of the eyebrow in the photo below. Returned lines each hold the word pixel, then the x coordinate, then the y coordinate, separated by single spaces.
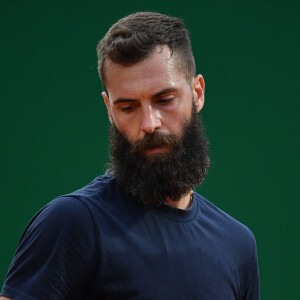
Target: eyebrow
pixel 156 95
pixel 165 91
pixel 123 100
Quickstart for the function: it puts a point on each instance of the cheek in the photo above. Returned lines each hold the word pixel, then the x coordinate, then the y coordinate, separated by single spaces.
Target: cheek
pixel 127 128
pixel 174 121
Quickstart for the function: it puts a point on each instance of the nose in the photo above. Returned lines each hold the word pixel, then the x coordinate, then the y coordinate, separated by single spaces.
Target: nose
pixel 150 120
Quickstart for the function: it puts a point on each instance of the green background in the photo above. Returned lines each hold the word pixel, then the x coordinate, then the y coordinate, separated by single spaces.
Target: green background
pixel 54 124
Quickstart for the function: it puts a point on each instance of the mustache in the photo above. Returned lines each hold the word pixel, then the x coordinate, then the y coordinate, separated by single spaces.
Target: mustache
pixel 155 139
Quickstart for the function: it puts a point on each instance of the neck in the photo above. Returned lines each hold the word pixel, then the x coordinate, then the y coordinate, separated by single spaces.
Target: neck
pixel 184 202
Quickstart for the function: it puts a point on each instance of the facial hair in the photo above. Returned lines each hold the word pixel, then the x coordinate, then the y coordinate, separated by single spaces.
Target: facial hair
pixel 151 179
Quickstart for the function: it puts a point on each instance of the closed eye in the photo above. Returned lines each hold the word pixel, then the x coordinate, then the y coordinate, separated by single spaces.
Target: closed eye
pixel 165 100
pixel 126 108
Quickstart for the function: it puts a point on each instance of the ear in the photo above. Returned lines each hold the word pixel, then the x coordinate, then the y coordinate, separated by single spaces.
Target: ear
pixel 198 87
pixel 107 104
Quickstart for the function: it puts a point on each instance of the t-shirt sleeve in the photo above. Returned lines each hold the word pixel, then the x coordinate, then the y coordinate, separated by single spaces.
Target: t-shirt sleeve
pixel 56 256
pixel 252 289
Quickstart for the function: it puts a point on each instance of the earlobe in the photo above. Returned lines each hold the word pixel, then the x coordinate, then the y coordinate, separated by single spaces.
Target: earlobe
pixel 107 104
pixel 198 92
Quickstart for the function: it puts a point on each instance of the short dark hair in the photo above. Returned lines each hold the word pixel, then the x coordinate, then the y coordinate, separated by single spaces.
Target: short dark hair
pixel 133 38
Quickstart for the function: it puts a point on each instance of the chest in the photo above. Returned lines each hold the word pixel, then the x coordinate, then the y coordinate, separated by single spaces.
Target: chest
pixel 151 259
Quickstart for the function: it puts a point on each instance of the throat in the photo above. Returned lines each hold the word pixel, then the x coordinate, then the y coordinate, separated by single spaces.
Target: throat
pixel 184 203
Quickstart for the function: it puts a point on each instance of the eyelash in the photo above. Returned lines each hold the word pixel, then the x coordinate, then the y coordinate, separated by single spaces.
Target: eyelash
pixel 126 108
pixel 161 101
pixel 166 100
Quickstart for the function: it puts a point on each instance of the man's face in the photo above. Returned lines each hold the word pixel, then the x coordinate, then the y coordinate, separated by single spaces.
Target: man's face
pixel 151 96
pixel 158 149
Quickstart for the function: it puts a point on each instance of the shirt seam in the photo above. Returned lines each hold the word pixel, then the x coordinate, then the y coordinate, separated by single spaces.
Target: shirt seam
pixel 79 198
pixel 178 220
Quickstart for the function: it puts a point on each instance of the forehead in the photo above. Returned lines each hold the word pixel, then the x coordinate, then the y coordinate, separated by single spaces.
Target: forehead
pixel 159 70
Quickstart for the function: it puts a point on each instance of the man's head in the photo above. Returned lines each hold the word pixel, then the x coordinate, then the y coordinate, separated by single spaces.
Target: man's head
pixel 152 101
pixel 133 38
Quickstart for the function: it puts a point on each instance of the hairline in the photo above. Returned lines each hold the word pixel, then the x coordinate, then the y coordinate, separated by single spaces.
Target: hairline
pixel 173 54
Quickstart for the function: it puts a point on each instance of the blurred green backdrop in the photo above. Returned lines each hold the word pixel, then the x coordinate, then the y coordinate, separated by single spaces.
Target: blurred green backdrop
pixel 54 124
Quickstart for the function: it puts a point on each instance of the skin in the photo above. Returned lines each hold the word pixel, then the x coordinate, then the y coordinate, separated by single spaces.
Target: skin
pixel 151 95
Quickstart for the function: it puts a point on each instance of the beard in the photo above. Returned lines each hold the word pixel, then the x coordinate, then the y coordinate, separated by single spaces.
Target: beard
pixel 151 179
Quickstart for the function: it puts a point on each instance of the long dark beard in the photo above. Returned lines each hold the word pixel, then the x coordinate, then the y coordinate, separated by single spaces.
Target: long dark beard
pixel 173 173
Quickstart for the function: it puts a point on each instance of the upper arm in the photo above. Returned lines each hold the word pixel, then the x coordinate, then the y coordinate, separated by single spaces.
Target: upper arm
pixel 55 254
pixel 252 286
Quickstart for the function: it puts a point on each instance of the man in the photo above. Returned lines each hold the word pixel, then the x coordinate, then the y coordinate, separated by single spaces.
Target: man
pixel 139 231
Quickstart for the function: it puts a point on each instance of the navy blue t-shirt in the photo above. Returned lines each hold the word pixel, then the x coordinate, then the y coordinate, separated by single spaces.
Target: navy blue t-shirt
pixel 98 243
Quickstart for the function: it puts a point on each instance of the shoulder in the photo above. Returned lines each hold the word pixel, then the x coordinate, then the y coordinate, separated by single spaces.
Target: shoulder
pixel 231 229
pixel 236 242
pixel 60 239
pixel 69 213
pixel 102 189
pixel 64 211
pixel 82 208
pixel 62 221
pixel 79 204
